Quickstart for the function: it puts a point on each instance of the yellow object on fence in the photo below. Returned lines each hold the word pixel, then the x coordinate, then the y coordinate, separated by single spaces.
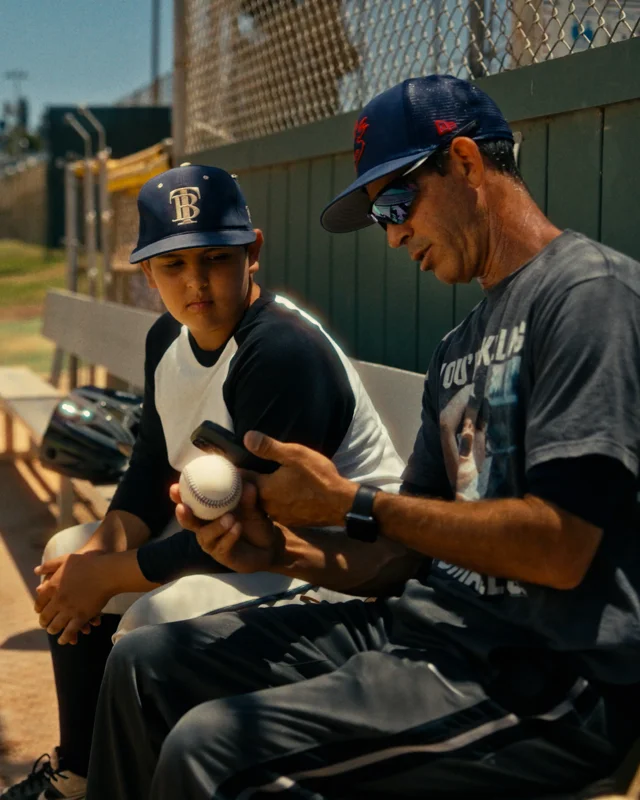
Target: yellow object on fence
pixel 125 177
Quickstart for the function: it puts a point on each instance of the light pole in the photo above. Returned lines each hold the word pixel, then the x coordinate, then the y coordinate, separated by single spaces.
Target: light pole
pixel 17 77
pixel 155 52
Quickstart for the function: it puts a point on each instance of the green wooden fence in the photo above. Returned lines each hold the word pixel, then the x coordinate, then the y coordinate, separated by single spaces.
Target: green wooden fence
pixel 580 156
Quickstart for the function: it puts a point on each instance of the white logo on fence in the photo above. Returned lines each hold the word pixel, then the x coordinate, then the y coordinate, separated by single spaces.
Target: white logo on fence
pixel 185 200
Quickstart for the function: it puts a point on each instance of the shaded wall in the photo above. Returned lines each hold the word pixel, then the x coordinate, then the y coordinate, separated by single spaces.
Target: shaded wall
pixel 128 129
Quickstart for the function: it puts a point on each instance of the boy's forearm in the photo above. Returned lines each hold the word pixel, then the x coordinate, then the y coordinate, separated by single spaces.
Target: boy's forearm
pixel 121 573
pixel 118 531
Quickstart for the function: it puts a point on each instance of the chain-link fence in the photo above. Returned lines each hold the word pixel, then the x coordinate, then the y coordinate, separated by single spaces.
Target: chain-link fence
pixel 144 96
pixel 23 201
pixel 253 67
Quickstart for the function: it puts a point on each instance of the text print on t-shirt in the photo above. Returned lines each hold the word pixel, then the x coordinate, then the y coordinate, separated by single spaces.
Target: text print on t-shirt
pixel 483 413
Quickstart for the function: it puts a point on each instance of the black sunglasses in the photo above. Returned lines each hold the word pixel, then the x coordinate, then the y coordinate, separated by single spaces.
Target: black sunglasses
pixel 392 204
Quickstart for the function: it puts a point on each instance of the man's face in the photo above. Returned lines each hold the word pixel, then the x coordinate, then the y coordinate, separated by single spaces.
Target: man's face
pixel 446 230
pixel 205 288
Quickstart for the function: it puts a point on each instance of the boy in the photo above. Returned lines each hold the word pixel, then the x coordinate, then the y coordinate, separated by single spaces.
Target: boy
pixel 228 351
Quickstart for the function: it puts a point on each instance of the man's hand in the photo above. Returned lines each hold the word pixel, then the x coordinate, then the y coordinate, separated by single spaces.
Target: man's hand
pixel 244 541
pixel 307 490
pixel 74 591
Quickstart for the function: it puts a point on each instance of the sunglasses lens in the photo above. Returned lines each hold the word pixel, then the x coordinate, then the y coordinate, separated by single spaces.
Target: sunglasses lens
pixel 393 205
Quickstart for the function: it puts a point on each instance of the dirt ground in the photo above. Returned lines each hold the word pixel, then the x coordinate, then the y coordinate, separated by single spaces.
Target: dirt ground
pixel 28 711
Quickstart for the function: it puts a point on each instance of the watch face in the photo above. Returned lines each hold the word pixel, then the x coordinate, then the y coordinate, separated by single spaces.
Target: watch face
pixel 363 528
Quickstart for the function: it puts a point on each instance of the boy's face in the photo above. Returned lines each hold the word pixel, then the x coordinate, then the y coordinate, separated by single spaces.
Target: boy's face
pixel 205 288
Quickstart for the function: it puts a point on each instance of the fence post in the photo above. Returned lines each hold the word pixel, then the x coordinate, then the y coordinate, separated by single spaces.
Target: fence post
pixel 103 190
pixel 71 249
pixel 89 202
pixel 179 80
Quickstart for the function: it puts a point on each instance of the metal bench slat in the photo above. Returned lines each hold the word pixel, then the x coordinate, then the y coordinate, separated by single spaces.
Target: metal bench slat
pixel 34 413
pixel 397 396
pixel 98 332
pixel 17 383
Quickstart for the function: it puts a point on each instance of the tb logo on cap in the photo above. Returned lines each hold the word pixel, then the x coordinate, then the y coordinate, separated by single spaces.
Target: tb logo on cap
pixel 185 200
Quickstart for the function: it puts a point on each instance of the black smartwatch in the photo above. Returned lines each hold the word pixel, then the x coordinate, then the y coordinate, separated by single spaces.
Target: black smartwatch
pixel 360 521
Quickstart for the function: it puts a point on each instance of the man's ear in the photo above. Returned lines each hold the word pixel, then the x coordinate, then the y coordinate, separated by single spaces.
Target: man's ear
pixel 253 251
pixel 466 161
pixel 146 268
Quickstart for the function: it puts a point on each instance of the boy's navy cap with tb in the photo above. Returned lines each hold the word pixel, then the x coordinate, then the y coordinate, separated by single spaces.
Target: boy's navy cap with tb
pixel 405 124
pixel 191 206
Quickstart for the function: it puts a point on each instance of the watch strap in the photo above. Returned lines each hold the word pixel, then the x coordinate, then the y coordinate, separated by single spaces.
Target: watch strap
pixel 360 522
pixel 363 501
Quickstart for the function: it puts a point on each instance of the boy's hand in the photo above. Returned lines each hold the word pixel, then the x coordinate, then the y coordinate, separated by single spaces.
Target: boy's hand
pixel 74 592
pixel 307 490
pixel 245 540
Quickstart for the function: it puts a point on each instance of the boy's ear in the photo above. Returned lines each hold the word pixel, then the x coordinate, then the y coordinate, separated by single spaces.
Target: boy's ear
pixel 253 251
pixel 146 268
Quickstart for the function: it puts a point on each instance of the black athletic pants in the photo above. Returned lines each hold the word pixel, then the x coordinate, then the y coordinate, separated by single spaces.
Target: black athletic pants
pixel 78 671
pixel 317 702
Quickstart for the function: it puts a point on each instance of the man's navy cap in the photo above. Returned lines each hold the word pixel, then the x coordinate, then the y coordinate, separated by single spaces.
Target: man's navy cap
pixel 191 206
pixel 404 125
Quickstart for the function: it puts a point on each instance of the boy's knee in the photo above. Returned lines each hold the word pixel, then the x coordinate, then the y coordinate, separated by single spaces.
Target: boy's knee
pixel 69 540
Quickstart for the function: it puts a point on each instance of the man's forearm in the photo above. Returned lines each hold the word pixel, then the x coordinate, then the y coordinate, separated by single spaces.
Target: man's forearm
pixel 345 565
pixel 524 539
pixel 118 531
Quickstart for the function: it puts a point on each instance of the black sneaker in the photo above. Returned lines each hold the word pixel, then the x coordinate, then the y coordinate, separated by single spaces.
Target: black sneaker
pixel 47 781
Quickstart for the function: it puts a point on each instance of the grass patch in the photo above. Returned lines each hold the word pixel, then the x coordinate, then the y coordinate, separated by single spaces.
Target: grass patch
pixel 23 345
pixel 27 272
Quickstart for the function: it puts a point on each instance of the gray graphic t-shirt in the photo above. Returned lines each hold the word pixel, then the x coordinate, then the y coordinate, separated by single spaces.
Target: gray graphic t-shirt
pixel 546 367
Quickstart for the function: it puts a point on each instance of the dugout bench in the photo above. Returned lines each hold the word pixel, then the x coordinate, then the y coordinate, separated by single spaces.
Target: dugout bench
pixel 112 335
pixel 98 333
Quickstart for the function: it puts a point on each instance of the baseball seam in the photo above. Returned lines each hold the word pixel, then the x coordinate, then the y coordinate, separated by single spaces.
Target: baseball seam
pixel 213 503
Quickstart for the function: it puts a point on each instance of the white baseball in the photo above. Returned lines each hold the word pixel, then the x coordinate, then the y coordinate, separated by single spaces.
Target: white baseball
pixel 210 486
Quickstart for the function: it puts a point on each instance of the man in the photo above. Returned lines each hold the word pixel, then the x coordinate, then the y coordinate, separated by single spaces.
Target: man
pixel 506 666
pixel 229 351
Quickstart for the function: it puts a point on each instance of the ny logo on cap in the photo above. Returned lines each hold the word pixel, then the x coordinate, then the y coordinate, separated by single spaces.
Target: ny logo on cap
pixel 185 200
pixel 358 139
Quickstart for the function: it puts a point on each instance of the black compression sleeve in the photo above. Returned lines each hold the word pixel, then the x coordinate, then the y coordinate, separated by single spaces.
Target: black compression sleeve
pixel 164 560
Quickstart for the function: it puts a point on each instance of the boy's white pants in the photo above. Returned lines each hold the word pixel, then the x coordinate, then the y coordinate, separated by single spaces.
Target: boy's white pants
pixel 192 595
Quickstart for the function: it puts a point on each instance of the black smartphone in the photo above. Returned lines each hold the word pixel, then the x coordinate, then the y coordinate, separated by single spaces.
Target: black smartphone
pixel 213 438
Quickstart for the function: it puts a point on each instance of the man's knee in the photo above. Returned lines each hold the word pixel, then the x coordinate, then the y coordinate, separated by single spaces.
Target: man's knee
pixel 69 540
pixel 197 748
pixel 143 652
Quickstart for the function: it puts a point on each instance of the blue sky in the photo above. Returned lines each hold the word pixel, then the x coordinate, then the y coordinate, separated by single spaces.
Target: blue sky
pixel 76 51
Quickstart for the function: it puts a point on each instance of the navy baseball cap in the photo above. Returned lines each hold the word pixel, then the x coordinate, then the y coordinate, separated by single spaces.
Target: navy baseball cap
pixel 407 124
pixel 191 206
